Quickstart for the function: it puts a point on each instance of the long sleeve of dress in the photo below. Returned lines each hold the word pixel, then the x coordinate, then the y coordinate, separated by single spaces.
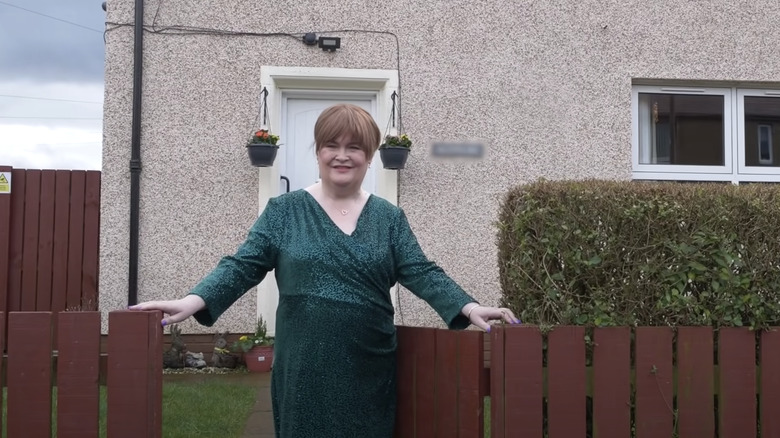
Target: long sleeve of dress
pixel 425 278
pixel 234 275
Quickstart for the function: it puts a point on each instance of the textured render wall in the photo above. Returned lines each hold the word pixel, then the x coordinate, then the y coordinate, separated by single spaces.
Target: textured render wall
pixel 546 86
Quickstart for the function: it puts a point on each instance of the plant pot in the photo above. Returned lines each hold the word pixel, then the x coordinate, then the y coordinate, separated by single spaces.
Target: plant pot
pixel 393 157
pixel 259 359
pixel 262 154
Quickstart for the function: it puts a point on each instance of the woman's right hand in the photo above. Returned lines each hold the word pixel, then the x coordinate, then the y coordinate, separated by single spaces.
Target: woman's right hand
pixel 178 310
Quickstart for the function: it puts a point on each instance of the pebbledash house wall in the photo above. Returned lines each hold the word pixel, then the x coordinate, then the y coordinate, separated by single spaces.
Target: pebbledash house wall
pixel 546 86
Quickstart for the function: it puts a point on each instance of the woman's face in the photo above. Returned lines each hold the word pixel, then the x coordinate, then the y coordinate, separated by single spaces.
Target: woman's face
pixel 342 162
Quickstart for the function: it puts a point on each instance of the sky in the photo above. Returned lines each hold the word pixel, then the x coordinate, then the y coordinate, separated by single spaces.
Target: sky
pixel 51 83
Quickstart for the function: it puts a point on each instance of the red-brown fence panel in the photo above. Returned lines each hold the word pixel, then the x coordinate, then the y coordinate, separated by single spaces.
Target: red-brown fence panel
pixel 90 260
pixel 45 242
pixel 654 415
pixel 695 383
pixel 516 381
pixel 424 382
pixel 471 360
pixel 5 234
pixel 78 374
pixel 16 242
pixel 440 383
pixel 770 383
pixel 61 241
pixel 498 382
pixel 76 236
pixel 134 378
pixel 404 419
pixel 32 201
pixel 737 396
pixel 2 348
pixel 446 404
pixel 49 240
pixel 612 382
pixel 29 374
pixel 566 384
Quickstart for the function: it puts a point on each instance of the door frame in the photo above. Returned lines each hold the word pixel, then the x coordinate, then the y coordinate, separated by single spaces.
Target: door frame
pixel 277 80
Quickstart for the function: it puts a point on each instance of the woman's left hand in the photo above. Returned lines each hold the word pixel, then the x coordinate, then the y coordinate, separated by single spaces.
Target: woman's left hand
pixel 481 316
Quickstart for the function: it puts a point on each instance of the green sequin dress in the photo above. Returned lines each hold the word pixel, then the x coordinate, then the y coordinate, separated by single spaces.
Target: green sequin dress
pixel 334 365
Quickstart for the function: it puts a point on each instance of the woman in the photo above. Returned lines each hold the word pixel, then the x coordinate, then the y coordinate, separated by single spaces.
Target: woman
pixel 337 251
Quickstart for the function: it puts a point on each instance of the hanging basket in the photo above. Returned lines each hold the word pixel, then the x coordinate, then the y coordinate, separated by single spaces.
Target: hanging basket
pixel 393 157
pixel 262 154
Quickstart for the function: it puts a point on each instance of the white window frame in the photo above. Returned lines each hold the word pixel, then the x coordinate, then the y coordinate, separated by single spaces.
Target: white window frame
pixel 753 173
pixel 734 168
pixel 683 172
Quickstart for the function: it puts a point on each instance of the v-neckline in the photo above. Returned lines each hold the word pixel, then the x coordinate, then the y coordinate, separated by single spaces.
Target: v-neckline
pixel 330 220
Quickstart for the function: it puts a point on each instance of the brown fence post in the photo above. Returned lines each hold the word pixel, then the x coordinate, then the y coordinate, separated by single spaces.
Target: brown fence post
pixel 5 238
pixel 29 374
pixel 78 374
pixel 2 348
pixel 134 378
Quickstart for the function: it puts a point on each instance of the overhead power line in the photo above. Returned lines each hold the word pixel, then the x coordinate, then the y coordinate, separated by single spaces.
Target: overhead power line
pixel 53 18
pixel 50 98
pixel 53 118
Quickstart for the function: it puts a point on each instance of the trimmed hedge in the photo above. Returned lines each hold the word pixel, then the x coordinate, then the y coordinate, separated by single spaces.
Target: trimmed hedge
pixel 602 253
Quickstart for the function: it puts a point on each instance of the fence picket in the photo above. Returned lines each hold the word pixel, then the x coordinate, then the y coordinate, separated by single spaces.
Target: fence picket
pixel 29 371
pixel 45 242
pixel 405 409
pixel 695 402
pixel 78 374
pixel 612 382
pixel 76 239
pixel 654 392
pixel 566 409
pixel 424 382
pixel 30 246
pixel 737 397
pixel 61 239
pixel 446 404
pixel 5 241
pixel 134 374
pixel 16 242
pixel 770 383
pixel 522 381
pixel 470 385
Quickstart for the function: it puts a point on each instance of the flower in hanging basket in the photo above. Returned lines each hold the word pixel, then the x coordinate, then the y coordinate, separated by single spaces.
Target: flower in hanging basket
pixel 402 140
pixel 263 137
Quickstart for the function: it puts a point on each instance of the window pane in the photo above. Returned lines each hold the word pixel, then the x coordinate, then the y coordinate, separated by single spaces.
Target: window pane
pixel 762 123
pixel 681 129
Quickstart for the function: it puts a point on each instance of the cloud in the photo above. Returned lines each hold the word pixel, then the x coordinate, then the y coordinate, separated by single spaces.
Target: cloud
pixel 51 134
pixel 38 48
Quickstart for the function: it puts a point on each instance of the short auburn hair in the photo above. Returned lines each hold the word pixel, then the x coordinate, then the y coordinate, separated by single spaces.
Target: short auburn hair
pixel 345 118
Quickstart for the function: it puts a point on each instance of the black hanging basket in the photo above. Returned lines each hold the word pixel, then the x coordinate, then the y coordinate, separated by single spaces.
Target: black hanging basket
pixel 262 154
pixel 393 157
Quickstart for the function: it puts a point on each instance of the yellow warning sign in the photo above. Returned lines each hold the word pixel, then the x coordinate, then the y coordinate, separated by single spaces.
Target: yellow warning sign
pixel 5 182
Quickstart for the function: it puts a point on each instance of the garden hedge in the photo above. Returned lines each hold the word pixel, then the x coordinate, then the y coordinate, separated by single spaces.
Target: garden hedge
pixel 606 253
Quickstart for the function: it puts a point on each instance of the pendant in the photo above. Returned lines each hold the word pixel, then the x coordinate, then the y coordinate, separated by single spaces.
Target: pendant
pixel 344 212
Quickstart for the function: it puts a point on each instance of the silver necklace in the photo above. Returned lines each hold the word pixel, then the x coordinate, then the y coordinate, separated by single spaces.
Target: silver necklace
pixel 344 212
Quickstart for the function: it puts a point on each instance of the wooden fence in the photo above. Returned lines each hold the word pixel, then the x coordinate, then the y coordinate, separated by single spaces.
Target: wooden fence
pixel 49 240
pixel 133 380
pixel 647 382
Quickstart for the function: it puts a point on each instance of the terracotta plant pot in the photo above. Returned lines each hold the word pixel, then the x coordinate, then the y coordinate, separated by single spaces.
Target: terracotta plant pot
pixel 259 359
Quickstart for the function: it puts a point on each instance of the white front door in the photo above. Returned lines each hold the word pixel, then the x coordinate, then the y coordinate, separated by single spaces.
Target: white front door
pixel 297 158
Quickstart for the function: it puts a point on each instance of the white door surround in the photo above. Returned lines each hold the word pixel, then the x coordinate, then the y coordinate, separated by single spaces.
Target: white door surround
pixel 282 82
